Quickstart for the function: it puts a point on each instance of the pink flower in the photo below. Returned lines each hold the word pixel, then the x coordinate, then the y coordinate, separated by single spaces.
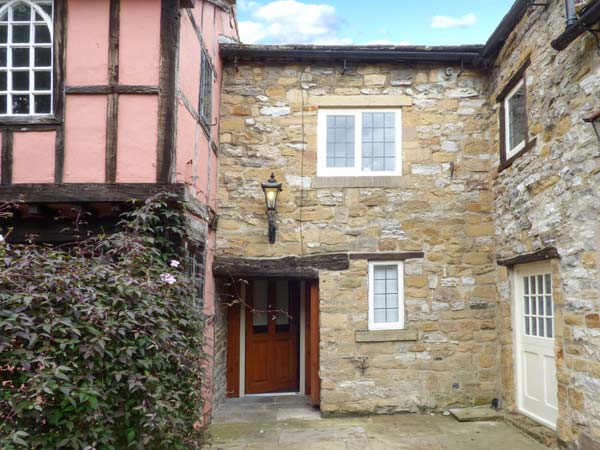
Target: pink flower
pixel 175 263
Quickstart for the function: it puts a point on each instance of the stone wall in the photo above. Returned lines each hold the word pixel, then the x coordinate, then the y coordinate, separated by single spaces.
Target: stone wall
pixel 550 197
pixel 441 205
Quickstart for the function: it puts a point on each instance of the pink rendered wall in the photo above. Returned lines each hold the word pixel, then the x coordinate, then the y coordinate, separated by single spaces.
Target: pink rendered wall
pixel 33 157
pixel 139 46
pixel 87 42
pixel 189 61
pixel 137 138
pixel 85 139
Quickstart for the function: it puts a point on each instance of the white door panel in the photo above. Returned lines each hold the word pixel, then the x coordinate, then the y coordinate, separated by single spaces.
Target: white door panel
pixel 534 342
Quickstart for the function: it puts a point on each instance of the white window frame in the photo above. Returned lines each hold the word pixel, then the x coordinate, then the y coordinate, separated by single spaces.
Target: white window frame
pixel 31 68
pixel 356 171
pixel 387 325
pixel 510 152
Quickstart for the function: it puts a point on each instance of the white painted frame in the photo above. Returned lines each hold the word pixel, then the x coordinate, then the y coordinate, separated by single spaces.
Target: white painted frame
pixel 301 351
pixel 356 171
pixel 388 325
pixel 510 152
pixel 31 68
pixel 519 271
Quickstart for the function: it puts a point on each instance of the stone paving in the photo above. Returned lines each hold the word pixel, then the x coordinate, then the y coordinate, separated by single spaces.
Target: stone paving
pixel 265 423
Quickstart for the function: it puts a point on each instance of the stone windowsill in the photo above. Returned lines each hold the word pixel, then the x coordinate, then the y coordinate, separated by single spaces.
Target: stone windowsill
pixel 357 182
pixel 386 335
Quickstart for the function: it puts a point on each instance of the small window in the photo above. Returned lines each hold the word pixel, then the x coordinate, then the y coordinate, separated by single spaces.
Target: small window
pixel 386 296
pixel 206 86
pixel 26 56
pixel 515 120
pixel 196 266
pixel 359 142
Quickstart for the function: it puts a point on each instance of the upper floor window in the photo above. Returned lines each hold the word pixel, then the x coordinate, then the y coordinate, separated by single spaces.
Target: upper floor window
pixel 26 55
pixel 386 295
pixel 206 86
pixel 515 120
pixel 359 142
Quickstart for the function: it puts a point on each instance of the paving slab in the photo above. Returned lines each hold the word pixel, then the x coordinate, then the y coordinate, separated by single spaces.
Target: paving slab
pixel 475 414
pixel 293 425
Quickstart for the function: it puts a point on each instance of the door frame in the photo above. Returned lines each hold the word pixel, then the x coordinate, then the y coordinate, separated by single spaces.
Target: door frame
pixel 517 324
pixel 301 348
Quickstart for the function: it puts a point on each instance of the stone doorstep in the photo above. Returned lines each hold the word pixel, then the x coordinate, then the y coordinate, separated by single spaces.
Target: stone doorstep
pixel 531 428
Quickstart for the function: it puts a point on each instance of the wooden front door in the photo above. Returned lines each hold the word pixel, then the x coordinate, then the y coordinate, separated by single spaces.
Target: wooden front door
pixel 272 339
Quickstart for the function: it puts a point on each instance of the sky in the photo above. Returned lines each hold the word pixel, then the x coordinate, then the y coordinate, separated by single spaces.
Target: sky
pixel 369 22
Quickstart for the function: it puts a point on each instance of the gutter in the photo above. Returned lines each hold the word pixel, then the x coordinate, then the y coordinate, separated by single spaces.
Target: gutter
pixel 588 18
pixel 467 56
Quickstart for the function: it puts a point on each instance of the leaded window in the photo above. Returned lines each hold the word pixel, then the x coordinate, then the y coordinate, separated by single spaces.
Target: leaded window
pixel 26 55
pixel 206 86
pixel 359 142
pixel 516 120
pixel 386 302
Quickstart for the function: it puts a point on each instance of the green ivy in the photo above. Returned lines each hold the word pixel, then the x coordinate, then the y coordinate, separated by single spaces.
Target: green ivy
pixel 100 342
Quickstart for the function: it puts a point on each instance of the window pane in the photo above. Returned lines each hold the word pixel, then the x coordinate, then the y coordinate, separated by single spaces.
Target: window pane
pixel 42 34
pixel 525 286
pixel 533 306
pixel 540 301
pixel 20 104
pixel 43 57
pixel 3 34
pixel 42 104
pixel 549 328
pixel 548 281
pixel 534 327
pixel 20 81
pixel 378 142
pixel 21 13
pixel 517 120
pixel 20 34
pixel 3 60
pixel 42 80
pixel 282 303
pixel 3 104
pixel 260 319
pixel 340 141
pixel 20 57
pixel 380 316
pixel 526 303
pixel 527 329
pixel 549 308
pixel 541 327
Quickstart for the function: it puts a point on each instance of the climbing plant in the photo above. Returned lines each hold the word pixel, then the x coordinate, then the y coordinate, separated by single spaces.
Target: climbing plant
pixel 100 341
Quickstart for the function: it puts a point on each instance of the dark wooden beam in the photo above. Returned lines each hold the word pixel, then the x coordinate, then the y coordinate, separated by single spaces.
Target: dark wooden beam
pixel 76 192
pixel 187 3
pixel 287 267
pixel 170 32
pixel 540 255
pixel 112 111
pixel 113 89
pixel 392 256
pixel 7 158
pixel 60 68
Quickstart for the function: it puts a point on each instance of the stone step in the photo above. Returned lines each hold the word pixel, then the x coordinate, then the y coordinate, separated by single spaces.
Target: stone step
pixel 475 414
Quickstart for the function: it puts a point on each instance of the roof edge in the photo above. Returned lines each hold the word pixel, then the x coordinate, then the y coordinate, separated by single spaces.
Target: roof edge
pixel 465 55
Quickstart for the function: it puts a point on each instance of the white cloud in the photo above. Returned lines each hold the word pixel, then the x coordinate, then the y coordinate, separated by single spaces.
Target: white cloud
pixel 292 22
pixel 454 22
pixel 247 4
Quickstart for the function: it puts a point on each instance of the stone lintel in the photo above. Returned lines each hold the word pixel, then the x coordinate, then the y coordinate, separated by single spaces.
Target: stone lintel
pixel 358 182
pixel 540 255
pixel 386 335
pixel 360 101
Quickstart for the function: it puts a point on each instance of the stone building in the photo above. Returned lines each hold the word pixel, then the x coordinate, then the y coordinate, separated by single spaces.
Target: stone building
pixel 437 233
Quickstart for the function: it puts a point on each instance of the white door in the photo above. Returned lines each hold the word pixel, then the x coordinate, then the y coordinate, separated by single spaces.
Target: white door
pixel 534 330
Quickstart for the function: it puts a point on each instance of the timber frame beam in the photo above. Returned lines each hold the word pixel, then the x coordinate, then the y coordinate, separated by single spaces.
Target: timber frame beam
pixel 293 267
pixel 88 192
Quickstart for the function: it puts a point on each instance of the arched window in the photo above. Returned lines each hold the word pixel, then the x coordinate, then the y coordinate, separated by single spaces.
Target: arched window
pixel 26 29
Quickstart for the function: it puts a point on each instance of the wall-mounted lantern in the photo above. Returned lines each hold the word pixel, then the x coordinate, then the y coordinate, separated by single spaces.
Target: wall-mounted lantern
pixel 271 189
pixel 594 119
